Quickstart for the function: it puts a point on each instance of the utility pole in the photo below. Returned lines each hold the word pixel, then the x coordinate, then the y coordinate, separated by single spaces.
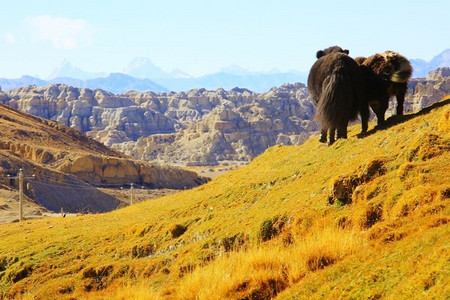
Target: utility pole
pixel 20 194
pixel 131 193
pixel 21 178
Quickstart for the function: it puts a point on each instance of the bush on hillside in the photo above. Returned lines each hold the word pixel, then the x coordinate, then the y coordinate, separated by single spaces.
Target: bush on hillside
pixel 271 228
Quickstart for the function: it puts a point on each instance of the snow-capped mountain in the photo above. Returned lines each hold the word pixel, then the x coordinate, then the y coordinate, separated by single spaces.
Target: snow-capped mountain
pixel 67 70
pixel 143 67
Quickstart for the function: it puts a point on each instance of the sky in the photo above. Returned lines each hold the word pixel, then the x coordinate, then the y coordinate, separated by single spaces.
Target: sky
pixel 201 37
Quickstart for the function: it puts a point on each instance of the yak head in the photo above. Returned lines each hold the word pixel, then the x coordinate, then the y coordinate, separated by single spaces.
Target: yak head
pixel 401 68
pixel 390 66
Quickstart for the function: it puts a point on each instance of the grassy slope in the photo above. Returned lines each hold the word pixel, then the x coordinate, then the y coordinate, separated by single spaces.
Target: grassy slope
pixel 391 240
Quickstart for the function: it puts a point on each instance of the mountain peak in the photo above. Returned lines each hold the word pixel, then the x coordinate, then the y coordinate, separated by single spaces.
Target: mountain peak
pixel 441 60
pixel 66 69
pixel 65 63
pixel 140 60
pixel 235 70
pixel 144 68
pixel 422 67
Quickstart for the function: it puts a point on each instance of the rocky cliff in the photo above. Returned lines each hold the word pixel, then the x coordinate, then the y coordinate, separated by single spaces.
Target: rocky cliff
pixel 197 127
pixel 424 92
pixel 228 126
pixel 194 127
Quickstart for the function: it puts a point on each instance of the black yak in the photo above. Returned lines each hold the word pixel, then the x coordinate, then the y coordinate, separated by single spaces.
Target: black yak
pixel 387 75
pixel 338 87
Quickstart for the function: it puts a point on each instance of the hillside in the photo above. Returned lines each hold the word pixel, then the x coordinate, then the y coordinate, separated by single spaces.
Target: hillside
pixel 364 218
pixel 69 166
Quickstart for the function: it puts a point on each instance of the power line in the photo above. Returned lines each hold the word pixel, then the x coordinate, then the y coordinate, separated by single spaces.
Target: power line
pixel 69 182
pixel 65 186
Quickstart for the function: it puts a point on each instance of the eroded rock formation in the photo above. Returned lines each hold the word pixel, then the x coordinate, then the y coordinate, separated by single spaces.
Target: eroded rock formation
pixel 197 127
pixel 423 92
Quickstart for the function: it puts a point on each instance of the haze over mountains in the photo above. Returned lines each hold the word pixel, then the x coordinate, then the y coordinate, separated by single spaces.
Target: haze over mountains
pixel 141 74
pixel 422 67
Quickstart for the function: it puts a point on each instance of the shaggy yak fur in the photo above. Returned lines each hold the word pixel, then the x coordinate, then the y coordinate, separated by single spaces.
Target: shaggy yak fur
pixel 337 85
pixel 387 75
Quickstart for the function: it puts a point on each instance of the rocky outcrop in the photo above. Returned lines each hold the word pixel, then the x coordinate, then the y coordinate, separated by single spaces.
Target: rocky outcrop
pixel 429 90
pixel 194 127
pixel 112 171
pixel 229 126
pixel 422 92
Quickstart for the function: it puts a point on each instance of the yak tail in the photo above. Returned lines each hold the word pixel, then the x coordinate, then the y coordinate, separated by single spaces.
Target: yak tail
pixel 337 104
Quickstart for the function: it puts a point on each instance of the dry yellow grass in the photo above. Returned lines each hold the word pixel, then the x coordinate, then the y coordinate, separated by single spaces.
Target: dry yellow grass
pixel 264 271
pixel 270 229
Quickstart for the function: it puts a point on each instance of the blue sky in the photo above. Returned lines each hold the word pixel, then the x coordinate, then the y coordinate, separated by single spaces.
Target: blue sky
pixel 201 37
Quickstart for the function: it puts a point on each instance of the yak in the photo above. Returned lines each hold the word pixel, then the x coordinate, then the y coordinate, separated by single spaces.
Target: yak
pixel 338 88
pixel 386 75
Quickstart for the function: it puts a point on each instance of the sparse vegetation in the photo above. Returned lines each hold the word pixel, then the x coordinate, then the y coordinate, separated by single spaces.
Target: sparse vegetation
pixel 262 231
pixel 272 227
pixel 177 230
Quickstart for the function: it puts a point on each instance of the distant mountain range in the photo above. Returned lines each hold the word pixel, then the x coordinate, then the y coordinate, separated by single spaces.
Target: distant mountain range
pixel 422 67
pixel 116 83
pixel 227 78
pixel 142 75
pixel 119 83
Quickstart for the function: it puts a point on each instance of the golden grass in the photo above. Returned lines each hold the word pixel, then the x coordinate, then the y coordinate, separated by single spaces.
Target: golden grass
pixel 268 229
pixel 268 270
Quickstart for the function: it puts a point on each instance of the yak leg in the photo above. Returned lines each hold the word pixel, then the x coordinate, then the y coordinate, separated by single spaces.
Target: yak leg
pixel 365 113
pixel 332 136
pixel 342 131
pixel 380 119
pixel 401 99
pixel 323 136
pixel 379 109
